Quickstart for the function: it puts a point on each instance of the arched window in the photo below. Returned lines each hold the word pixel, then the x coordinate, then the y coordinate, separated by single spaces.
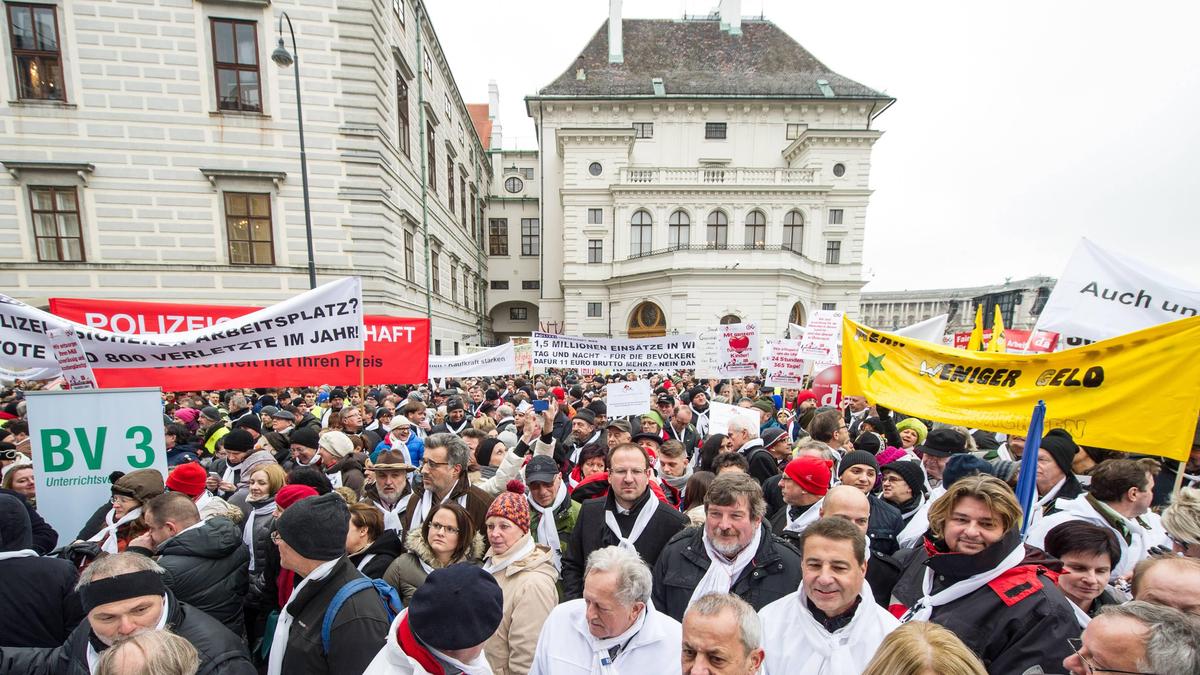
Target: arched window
pixel 793 231
pixel 730 319
pixel 718 230
pixel 640 234
pixel 756 229
pixel 679 230
pixel 797 314
pixel 647 321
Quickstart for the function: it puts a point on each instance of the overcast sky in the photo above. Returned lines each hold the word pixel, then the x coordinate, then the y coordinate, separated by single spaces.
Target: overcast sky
pixel 1019 127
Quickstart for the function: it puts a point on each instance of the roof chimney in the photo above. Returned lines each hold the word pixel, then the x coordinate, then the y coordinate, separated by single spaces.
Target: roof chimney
pixel 616 52
pixel 731 16
pixel 493 100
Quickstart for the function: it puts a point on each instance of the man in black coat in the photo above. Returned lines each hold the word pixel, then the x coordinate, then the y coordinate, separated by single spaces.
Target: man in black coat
pixel 39 606
pixel 733 552
pixel 124 594
pixel 312 541
pixel 745 438
pixel 45 538
pixel 629 516
pixel 206 563
pixel 859 469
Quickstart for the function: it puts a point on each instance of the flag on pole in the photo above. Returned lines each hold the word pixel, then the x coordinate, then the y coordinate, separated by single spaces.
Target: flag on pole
pixel 976 342
pixel 997 343
pixel 1027 477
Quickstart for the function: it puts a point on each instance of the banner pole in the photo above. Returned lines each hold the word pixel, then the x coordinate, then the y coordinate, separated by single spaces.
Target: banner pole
pixel 362 375
pixel 1178 480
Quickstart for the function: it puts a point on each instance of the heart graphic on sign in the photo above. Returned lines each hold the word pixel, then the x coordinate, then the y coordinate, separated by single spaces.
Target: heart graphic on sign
pixel 739 343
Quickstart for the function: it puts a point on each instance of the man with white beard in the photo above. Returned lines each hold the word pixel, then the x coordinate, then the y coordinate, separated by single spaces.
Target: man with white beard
pixel 389 492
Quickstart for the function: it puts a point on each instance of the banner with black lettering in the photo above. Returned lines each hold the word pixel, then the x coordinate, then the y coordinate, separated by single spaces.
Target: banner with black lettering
pixel 499 360
pixel 645 355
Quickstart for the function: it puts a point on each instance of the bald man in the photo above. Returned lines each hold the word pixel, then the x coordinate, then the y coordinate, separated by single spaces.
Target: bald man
pixel 850 503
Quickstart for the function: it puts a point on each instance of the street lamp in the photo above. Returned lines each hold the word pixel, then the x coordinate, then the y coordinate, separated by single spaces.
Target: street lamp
pixel 283 58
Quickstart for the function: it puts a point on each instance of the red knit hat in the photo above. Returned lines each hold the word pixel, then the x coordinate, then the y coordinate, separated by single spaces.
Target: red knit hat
pixel 188 479
pixel 290 494
pixel 805 395
pixel 810 473
pixel 559 393
pixel 512 505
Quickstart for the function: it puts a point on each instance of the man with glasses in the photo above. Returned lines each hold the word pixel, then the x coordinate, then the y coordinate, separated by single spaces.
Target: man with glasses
pixel 1137 638
pixel 444 478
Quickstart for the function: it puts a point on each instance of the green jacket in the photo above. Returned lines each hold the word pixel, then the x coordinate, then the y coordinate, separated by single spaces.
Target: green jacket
pixel 564 518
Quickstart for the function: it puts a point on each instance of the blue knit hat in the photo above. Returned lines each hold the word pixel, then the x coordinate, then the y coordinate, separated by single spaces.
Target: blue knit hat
pixel 963 465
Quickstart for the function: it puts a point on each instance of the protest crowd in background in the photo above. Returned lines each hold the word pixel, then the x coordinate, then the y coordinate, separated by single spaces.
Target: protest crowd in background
pixel 511 525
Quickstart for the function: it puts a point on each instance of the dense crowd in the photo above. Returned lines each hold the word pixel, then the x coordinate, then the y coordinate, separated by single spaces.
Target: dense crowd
pixel 510 525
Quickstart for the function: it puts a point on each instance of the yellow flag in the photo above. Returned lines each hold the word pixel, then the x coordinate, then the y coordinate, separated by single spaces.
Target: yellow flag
pixel 1135 392
pixel 976 342
pixel 997 343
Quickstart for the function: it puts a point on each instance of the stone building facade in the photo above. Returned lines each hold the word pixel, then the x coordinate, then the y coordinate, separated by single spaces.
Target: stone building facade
pixel 1020 303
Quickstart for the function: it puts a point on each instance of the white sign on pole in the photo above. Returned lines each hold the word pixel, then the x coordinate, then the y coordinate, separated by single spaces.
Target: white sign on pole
pixel 627 398
pixel 1101 295
pixel 795 332
pixel 706 354
pixel 76 371
pixel 648 355
pixel 785 364
pixel 929 330
pixel 499 360
pixel 80 437
pixel 721 414
pixel 327 319
pixel 738 350
pixel 823 335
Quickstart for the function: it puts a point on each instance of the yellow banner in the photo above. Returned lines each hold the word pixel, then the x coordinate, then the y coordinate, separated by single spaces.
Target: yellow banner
pixel 1138 392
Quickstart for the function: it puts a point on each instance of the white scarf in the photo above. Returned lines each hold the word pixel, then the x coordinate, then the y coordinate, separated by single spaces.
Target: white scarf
pixel 601 663
pixel 228 476
pixel 495 564
pixel 676 435
pixel 335 479
pixel 701 420
pixel 579 447
pixel 203 500
pixel 363 563
pixel 923 609
pixel 462 426
pixel 1080 615
pixel 426 503
pixel 750 445
pixel 248 532
pixel 722 572
pixel 391 519
pixel 93 656
pixel 1052 493
pixel 23 553
pixel 402 447
pixel 847 649
pixel 284 627
pixel 547 529
pixel 478 666
pixel 807 518
pixel 108 536
pixel 643 519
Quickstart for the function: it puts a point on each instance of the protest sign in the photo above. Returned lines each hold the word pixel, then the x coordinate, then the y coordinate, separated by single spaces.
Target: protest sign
pixel 500 360
pixel 1016 340
pixel 785 364
pixel 706 354
pixel 1101 295
pixel 647 355
pixel 827 383
pixel 795 332
pixel 396 350
pixel 929 330
pixel 721 414
pixel 822 335
pixel 76 371
pixel 1093 392
pixel 627 398
pixel 523 348
pixel 79 437
pixel 738 350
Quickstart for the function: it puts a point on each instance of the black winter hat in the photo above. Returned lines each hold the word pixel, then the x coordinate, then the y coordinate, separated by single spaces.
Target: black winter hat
pixel 16 533
pixel 239 440
pixel 316 527
pixel 857 457
pixel 910 471
pixel 598 407
pixel 943 443
pixel 454 404
pixel 1062 448
pixel 963 465
pixel 211 413
pixel 491 395
pixel 337 393
pixel 306 436
pixel 248 421
pixel 586 415
pixel 457 607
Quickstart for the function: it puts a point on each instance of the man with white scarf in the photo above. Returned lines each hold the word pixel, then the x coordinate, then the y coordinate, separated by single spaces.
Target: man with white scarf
pixel 389 492
pixel 803 485
pixel 552 511
pixel 613 629
pixel 831 624
pixel 733 552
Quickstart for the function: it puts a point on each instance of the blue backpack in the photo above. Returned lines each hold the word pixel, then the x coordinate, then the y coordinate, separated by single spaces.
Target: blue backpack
pixel 391 603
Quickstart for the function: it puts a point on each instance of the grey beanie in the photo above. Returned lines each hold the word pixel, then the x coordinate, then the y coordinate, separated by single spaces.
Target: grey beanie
pixel 316 527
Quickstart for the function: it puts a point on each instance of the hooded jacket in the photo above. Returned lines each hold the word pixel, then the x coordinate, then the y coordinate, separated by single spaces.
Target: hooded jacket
pixel 376 559
pixel 208 568
pixel 406 574
pixel 39 606
pixel 530 587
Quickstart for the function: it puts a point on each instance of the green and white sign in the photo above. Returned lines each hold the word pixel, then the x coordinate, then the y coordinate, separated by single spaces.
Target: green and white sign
pixel 80 437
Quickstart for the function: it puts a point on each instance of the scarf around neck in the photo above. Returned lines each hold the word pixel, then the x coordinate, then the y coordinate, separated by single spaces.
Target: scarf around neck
pixel 722 572
pixel 922 610
pixel 262 510
pixel 494 564
pixel 107 536
pixel 602 662
pixel 547 529
pixel 644 516
pixel 847 649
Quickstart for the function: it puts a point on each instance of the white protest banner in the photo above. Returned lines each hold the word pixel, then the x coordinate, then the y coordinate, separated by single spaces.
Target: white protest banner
pixel 738 351
pixel 647 355
pixel 9 377
pixel 1101 295
pixel 929 330
pixel 627 398
pixel 76 370
pixel 721 414
pixel 785 364
pixel 823 335
pixel 327 319
pixel 79 437
pixel 500 360
pixel 706 354
pixel 524 350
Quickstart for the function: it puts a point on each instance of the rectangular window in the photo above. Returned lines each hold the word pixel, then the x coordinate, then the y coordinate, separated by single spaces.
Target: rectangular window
pixel 402 113
pixel 518 313
pixel 428 63
pixel 714 130
pixel 499 285
pixel 793 132
pixel 833 252
pixel 37 53
pixel 643 129
pixel 453 283
pixel 462 196
pixel 456 349
pixel 829 306
pixel 248 224
pixel 497 236
pixel 474 209
pixel 450 183
pixel 235 61
pixel 530 285
pixel 410 265
pixel 430 158
pixel 595 216
pixel 527 174
pixel 398 8
pixel 531 236
pixel 835 216
pixel 595 251
pixel 435 270
pixel 57 232
pixel 437 347
pixel 593 309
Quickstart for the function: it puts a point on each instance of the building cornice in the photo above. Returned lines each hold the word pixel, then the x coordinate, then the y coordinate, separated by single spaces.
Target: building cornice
pixel 16 167
pixel 594 136
pixel 213 175
pixel 809 138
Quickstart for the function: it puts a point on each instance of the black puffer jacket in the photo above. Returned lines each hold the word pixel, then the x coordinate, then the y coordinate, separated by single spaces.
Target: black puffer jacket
pixel 261 538
pixel 773 573
pixel 44 537
pixel 208 568
pixel 374 561
pixel 221 652
pixel 884 525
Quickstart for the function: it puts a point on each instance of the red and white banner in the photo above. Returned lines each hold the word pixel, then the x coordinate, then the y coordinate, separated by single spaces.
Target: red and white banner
pixel 396 350
pixel 785 364
pixel 1017 340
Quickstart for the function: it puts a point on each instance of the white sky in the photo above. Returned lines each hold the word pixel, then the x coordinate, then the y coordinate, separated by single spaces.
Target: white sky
pixel 1019 126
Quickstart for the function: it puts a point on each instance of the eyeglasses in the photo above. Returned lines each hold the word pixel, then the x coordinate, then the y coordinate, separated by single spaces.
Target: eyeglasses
pixel 1076 644
pixel 432 463
pixel 888 478
pixel 438 527
pixel 120 499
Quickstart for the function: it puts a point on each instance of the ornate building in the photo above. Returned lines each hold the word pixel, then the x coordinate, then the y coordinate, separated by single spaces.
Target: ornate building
pixel 1020 304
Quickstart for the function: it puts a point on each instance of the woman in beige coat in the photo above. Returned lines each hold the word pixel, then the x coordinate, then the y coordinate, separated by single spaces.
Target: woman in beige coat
pixel 525 572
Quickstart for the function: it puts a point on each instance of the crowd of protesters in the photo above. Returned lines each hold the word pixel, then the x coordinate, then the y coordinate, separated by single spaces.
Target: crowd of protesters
pixel 510 525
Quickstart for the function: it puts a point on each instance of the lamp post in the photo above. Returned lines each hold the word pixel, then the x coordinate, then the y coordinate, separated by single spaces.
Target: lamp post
pixel 283 58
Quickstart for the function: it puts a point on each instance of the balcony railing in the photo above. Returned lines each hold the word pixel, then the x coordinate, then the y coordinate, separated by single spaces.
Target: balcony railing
pixel 661 175
pixel 711 247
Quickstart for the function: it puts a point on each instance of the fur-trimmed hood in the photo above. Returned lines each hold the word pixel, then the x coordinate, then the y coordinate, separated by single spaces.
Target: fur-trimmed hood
pixel 415 543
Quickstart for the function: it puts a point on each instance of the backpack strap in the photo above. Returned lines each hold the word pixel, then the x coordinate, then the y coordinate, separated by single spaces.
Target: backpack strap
pixel 388 595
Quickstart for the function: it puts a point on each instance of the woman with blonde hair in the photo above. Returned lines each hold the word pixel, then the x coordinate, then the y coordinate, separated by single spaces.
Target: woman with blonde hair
pixel 923 648
pixel 1181 520
pixel 484 423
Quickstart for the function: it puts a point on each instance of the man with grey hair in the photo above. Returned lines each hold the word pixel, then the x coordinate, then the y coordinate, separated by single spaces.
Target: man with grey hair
pixel 613 627
pixel 444 478
pixel 744 435
pixel 733 552
pixel 722 635
pixel 123 595
pixel 1137 637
